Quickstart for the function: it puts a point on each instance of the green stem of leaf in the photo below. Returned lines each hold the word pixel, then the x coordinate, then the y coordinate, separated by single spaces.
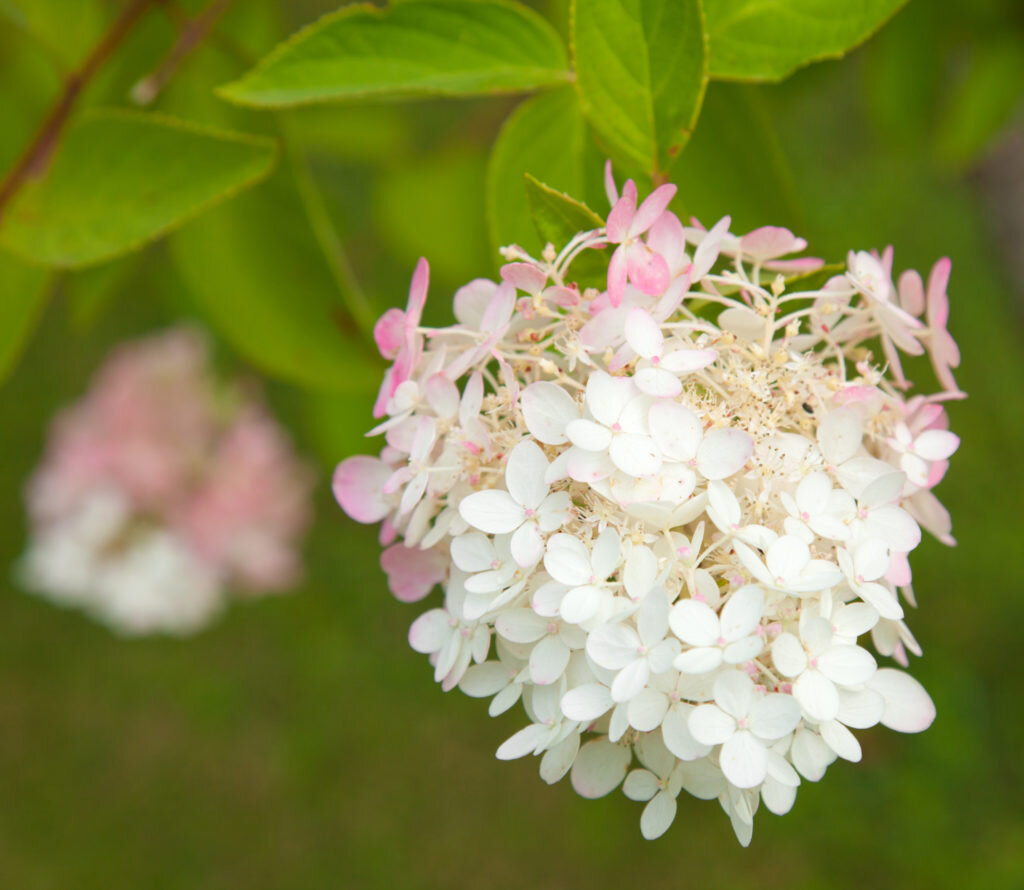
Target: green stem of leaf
pixel 326 235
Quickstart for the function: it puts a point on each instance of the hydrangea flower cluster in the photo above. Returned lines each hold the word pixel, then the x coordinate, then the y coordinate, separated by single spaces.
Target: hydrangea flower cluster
pixel 160 490
pixel 670 513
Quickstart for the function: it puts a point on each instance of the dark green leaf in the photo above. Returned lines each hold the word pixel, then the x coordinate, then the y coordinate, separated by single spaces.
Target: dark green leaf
pixel 427 48
pixel 769 39
pixel 641 69
pixel 123 179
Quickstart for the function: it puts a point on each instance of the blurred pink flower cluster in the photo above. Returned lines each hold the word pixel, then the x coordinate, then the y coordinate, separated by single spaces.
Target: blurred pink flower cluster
pixel 161 489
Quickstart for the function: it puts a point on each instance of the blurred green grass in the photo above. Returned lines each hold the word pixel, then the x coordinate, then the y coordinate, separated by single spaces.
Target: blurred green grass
pixel 299 743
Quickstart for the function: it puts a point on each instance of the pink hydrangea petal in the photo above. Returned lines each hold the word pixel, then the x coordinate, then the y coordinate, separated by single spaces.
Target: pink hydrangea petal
pixel 647 270
pixel 357 485
pixel 412 573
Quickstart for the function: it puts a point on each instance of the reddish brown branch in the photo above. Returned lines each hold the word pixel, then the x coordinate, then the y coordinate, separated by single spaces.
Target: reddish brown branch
pixel 39 151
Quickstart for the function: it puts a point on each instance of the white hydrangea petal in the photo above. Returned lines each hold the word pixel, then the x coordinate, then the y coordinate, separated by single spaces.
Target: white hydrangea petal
pixel 660 658
pixel 817 695
pixel 472 552
pixel 743 650
pixel 581 604
pixel 588 435
pixel 430 631
pixel 734 693
pixel 883 490
pixel 723 453
pixel 607 396
pixel 605 553
pixel 788 655
pixel 630 681
pixel 635 455
pixel 567 560
pixel 587 702
pixel 812 492
pixel 686 361
pixel 554 511
pixel 778 798
pixel 744 760
pixel 587 466
pixel 908 707
pixel 557 761
pixel 695 623
pixel 527 545
pixel 522 743
pixel 640 571
pixel 547 408
pixel 724 509
pixel 744 323
pixel 787 557
pixel 839 435
pixel 675 732
pixel 854 619
pixel 647 709
pixel 861 708
pixel 505 699
pixel 521 625
pixel 710 725
pixel 652 617
pixel 524 474
pixel 547 598
pixel 482 680
pixel 841 740
pixel 658 815
pixel 613 646
pixel 774 716
pixel 599 768
pixel 700 660
pixel 657 383
pixel 641 785
pixel 548 660
pixel 643 333
pixel 882 599
pixel 936 444
pixel 811 756
pixel 897 527
pixel 742 613
pixel 781 770
pixel 492 511
pixel 847 665
pixel 676 430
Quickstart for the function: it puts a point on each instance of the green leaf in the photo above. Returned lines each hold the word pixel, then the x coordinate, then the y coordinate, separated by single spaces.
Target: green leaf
pixel 547 138
pixel 981 103
pixel 23 292
pixel 558 218
pixel 123 179
pixel 66 31
pixel 720 174
pixel 451 236
pixel 427 48
pixel 641 70
pixel 254 268
pixel 769 39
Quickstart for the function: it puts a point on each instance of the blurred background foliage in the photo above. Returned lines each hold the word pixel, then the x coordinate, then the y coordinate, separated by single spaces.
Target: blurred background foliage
pixel 299 743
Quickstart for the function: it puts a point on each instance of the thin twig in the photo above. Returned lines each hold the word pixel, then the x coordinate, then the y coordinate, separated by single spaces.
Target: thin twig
pixel 39 151
pixel 193 31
